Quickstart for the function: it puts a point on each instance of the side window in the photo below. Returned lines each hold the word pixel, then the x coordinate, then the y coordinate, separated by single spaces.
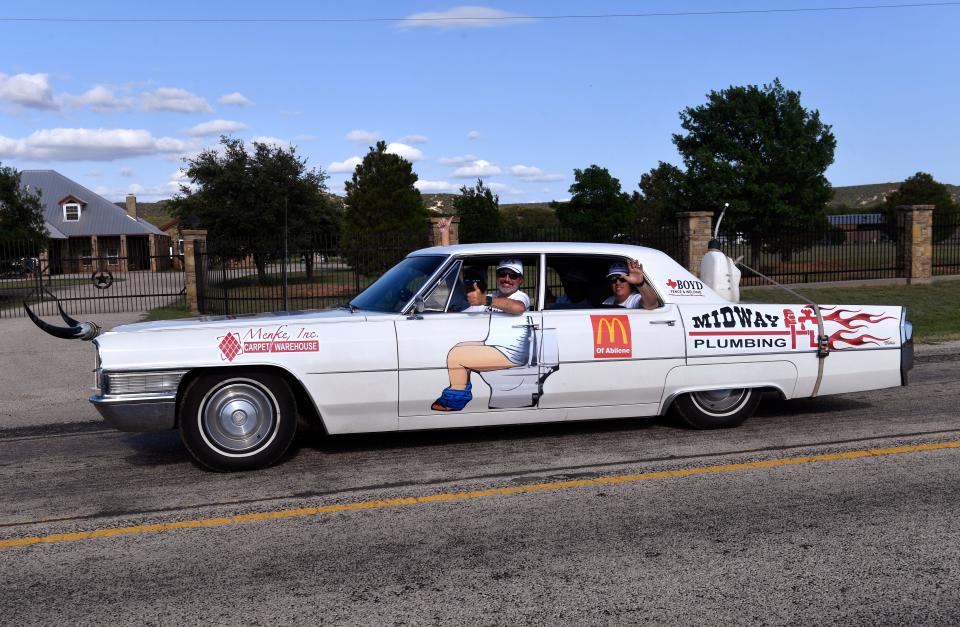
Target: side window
pixel 437 298
pixel 588 282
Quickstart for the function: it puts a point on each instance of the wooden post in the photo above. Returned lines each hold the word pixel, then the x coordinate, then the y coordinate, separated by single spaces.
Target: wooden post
pixel 695 234
pixel 191 238
pixel 915 243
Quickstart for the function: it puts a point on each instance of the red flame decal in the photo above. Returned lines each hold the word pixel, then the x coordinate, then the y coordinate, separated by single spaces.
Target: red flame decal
pixel 848 322
pixel 854 340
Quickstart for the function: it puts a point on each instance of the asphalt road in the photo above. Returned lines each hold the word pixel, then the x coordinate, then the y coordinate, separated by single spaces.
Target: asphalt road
pixel 781 521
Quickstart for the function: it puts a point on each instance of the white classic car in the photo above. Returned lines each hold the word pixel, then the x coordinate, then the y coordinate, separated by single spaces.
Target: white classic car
pixel 419 349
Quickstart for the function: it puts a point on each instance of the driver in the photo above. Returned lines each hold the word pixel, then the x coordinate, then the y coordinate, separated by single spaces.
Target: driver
pixel 507 344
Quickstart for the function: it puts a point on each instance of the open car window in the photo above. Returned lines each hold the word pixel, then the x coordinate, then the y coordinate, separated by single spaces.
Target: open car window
pixel 481 271
pixel 579 281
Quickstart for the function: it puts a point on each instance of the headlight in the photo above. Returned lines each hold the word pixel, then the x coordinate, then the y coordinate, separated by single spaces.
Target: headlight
pixel 165 381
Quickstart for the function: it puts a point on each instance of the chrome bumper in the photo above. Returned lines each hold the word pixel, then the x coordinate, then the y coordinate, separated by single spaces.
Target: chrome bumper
pixel 138 412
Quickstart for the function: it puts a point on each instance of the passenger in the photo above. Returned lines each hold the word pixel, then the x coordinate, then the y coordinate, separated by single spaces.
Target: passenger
pixel 623 279
pixel 507 345
pixel 576 287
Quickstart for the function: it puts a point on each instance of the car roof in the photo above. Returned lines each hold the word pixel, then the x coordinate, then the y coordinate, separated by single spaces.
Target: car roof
pixel 521 248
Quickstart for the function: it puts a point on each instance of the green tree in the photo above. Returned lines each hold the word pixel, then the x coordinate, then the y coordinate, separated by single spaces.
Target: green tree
pixel 21 214
pixel 760 150
pixel 382 206
pixel 922 189
pixel 244 197
pixel 662 194
pixel 479 211
pixel 598 209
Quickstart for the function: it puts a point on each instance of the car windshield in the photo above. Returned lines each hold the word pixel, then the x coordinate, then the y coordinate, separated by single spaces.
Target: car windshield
pixel 394 289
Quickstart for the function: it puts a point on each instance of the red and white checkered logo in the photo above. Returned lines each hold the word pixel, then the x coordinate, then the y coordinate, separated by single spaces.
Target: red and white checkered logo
pixel 230 346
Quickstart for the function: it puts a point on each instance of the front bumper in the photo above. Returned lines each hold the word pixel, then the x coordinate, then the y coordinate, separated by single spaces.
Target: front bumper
pixel 138 412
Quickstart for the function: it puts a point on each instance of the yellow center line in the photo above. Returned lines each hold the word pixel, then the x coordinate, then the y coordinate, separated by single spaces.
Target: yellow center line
pixel 472 494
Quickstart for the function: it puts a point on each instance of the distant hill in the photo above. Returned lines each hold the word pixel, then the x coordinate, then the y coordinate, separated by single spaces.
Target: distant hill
pixel 864 197
pixel 156 213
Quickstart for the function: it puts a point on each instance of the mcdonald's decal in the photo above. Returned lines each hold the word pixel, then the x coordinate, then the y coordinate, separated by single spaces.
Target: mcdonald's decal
pixel 611 337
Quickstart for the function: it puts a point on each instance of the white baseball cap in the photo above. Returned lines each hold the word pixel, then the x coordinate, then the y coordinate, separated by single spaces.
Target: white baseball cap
pixel 618 268
pixel 511 264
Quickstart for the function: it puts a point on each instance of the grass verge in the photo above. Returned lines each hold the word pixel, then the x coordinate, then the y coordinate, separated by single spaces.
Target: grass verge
pixel 170 312
pixel 933 309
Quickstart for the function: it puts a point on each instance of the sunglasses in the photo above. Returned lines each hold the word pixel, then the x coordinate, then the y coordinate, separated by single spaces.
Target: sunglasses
pixel 502 274
pixel 617 279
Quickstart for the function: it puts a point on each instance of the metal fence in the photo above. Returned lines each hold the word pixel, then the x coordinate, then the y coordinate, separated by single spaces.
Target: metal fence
pixel 946 245
pixel 86 284
pixel 848 249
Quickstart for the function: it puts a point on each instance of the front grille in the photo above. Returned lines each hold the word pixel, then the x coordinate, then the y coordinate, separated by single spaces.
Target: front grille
pixel 141 382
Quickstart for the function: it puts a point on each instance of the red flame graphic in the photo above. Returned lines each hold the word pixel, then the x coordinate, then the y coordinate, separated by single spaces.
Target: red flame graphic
pixel 865 318
pixel 854 340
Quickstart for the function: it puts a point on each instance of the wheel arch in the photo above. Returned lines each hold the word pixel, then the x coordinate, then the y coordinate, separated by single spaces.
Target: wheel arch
pixel 306 407
pixel 669 399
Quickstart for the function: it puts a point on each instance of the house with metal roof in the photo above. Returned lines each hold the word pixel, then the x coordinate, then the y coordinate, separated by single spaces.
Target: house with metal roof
pixel 88 232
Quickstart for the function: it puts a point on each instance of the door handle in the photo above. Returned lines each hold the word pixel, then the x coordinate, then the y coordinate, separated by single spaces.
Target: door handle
pixel 669 323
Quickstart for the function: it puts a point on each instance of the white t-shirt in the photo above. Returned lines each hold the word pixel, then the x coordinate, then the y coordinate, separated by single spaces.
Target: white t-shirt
pixel 634 301
pixel 518 295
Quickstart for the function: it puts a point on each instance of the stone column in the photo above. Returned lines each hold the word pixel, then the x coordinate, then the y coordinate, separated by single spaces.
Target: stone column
pixel 694 227
pixel 152 251
pixel 454 230
pixel 94 254
pixel 915 243
pixel 123 263
pixel 191 240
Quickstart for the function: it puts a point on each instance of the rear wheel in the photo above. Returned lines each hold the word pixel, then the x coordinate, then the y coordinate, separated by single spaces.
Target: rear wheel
pixel 238 422
pixel 717 409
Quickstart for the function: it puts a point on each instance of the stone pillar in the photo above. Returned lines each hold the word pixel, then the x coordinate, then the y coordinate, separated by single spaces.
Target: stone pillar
pixel 152 251
pixel 191 240
pixel 123 263
pixel 915 243
pixel 454 230
pixel 694 227
pixel 94 253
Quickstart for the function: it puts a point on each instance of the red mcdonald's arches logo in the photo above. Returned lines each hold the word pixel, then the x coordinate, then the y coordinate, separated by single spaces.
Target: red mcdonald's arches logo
pixel 611 337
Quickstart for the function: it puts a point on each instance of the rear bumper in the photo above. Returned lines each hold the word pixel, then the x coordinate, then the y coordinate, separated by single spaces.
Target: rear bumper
pixel 138 412
pixel 906 346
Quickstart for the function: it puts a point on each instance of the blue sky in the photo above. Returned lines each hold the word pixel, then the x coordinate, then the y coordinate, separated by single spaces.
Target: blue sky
pixel 118 105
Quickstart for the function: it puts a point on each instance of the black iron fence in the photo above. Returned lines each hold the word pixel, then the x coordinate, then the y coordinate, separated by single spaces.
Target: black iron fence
pixel 847 249
pixel 946 245
pixel 86 284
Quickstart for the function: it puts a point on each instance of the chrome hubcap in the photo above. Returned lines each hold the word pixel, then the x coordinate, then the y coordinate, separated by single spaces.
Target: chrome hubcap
pixel 720 401
pixel 238 416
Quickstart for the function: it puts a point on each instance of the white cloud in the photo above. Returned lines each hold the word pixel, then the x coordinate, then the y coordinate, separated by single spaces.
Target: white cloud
pixel 362 137
pixel 99 98
pixel 88 144
pixel 276 142
pixel 414 139
pixel 533 173
pixel 502 189
pixel 28 90
pixel 462 160
pixel 348 165
pixel 407 152
pixel 463 17
pixel 174 99
pixel 235 99
pixel 472 135
pixel 127 172
pixel 93 173
pixel 435 187
pixel 477 168
pixel 216 127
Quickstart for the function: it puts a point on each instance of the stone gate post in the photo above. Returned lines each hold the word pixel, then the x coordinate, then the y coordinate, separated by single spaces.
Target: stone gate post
pixel 915 243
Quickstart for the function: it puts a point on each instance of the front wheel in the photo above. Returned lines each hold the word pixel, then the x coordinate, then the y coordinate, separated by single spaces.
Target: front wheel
pixel 238 422
pixel 717 409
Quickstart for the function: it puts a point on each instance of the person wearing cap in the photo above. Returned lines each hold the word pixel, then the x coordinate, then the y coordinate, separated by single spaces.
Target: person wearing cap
pixel 507 344
pixel 508 297
pixel 624 277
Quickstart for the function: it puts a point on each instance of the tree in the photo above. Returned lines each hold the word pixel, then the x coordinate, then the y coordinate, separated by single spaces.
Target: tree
pixel 244 197
pixel 21 214
pixel 922 189
pixel 382 204
pixel 479 211
pixel 662 194
pixel 761 151
pixel 597 209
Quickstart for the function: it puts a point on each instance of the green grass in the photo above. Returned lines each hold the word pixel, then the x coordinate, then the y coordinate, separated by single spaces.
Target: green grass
pixel 170 312
pixel 933 309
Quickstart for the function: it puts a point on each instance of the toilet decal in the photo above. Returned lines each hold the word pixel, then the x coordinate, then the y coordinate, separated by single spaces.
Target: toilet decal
pixel 514 359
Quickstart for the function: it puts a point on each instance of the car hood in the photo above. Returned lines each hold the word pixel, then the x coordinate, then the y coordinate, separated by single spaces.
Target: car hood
pixel 283 317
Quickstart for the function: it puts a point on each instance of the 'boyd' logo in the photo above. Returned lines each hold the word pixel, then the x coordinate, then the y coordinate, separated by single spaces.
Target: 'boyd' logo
pixel 730 317
pixel 611 337
pixel 684 284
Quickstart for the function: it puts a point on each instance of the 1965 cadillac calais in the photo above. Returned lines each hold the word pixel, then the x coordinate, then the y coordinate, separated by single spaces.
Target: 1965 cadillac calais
pixel 411 352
